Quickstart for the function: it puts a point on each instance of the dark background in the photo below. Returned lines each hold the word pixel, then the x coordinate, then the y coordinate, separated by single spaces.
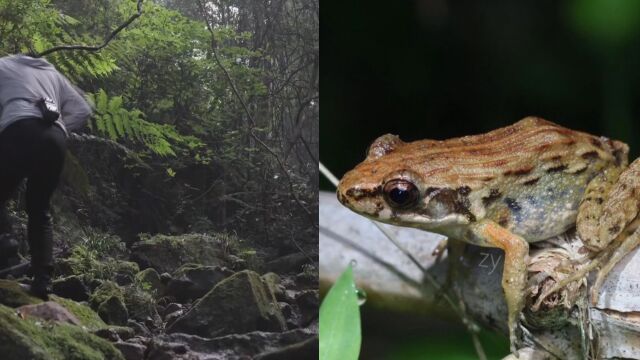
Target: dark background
pixel 438 69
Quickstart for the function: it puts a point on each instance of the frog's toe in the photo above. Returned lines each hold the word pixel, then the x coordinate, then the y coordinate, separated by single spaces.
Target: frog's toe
pixel 561 284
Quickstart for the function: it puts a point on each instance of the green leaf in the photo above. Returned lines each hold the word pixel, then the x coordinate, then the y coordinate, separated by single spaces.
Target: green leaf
pixel 102 101
pixel 340 334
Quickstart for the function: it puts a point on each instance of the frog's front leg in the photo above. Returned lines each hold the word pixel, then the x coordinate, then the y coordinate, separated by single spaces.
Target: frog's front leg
pixel 514 276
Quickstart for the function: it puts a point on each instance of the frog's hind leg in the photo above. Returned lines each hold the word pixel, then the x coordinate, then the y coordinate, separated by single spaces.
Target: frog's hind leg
pixel 514 276
pixel 605 217
pixel 618 251
pixel 619 221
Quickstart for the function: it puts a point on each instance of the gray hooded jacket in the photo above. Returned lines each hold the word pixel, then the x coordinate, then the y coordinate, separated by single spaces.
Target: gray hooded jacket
pixel 25 80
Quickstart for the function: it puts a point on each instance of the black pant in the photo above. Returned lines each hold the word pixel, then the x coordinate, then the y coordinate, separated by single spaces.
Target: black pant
pixel 32 149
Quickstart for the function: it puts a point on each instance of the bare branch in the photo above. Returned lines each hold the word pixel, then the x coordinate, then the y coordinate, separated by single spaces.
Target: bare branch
pixel 97 47
pixel 250 117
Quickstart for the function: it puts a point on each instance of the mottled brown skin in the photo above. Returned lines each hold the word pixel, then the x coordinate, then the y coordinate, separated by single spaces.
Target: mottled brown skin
pixel 506 188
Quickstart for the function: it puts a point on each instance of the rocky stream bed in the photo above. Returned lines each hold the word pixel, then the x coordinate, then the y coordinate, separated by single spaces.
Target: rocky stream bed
pixel 166 297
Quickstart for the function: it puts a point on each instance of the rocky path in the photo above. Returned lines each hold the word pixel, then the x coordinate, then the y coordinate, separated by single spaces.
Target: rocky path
pixel 169 297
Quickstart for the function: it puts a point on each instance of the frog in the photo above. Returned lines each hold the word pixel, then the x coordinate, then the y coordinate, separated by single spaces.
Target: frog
pixel 507 188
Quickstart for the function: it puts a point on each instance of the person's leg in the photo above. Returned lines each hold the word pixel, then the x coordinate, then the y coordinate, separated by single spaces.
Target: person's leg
pixel 11 173
pixel 46 166
pixel 8 184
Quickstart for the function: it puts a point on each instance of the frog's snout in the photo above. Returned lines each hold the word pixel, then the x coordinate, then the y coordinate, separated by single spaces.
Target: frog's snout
pixel 358 195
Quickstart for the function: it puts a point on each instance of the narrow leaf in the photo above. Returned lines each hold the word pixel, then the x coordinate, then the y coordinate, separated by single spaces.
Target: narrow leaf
pixel 340 334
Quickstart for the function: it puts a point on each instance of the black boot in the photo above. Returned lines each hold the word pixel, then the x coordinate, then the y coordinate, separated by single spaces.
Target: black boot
pixel 41 286
pixel 41 247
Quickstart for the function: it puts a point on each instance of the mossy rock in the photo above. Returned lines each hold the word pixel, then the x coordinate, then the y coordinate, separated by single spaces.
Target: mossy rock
pixel 150 277
pixel 167 253
pixel 238 304
pixel 138 302
pixel 28 339
pixel 113 311
pixel 192 281
pixel 105 291
pixel 11 294
pixel 141 304
pixel 274 283
pixel 87 317
pixel 129 268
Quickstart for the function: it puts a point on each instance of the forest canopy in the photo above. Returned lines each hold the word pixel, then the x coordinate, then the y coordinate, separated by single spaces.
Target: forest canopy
pixel 219 98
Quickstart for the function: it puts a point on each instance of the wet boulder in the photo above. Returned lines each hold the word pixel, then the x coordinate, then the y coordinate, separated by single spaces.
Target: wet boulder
pixel 192 281
pixel 238 304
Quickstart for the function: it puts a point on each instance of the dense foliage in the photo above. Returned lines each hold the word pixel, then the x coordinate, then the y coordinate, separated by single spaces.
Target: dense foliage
pixel 225 115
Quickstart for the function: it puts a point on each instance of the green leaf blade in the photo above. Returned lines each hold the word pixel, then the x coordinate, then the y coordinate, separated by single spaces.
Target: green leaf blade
pixel 340 333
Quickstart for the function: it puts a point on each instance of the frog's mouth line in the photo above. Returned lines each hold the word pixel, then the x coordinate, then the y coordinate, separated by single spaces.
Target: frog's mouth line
pixel 370 203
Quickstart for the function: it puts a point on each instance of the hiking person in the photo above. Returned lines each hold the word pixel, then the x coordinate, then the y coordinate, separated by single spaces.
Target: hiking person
pixel 38 109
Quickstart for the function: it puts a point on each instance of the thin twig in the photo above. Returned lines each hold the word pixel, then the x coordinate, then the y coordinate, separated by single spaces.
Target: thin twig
pixel 251 121
pixel 304 253
pixel 96 47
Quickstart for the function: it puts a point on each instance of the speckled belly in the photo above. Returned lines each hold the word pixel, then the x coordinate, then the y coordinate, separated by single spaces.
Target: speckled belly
pixel 541 211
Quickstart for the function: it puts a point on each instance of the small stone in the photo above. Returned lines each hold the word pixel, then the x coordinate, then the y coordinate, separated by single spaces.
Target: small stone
pixel 138 328
pixel 165 277
pixel 290 315
pixel 115 333
pixel 131 351
pixel 48 311
pixel 308 302
pixel 107 334
pixel 173 307
pixel 170 318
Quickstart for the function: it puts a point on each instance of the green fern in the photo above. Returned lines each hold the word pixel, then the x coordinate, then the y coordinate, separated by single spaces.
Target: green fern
pixel 115 122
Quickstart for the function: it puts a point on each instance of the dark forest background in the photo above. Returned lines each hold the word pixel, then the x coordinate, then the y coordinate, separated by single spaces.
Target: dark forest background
pixel 438 69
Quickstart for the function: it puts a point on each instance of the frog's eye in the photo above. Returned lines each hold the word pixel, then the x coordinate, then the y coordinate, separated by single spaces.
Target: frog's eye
pixel 401 193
